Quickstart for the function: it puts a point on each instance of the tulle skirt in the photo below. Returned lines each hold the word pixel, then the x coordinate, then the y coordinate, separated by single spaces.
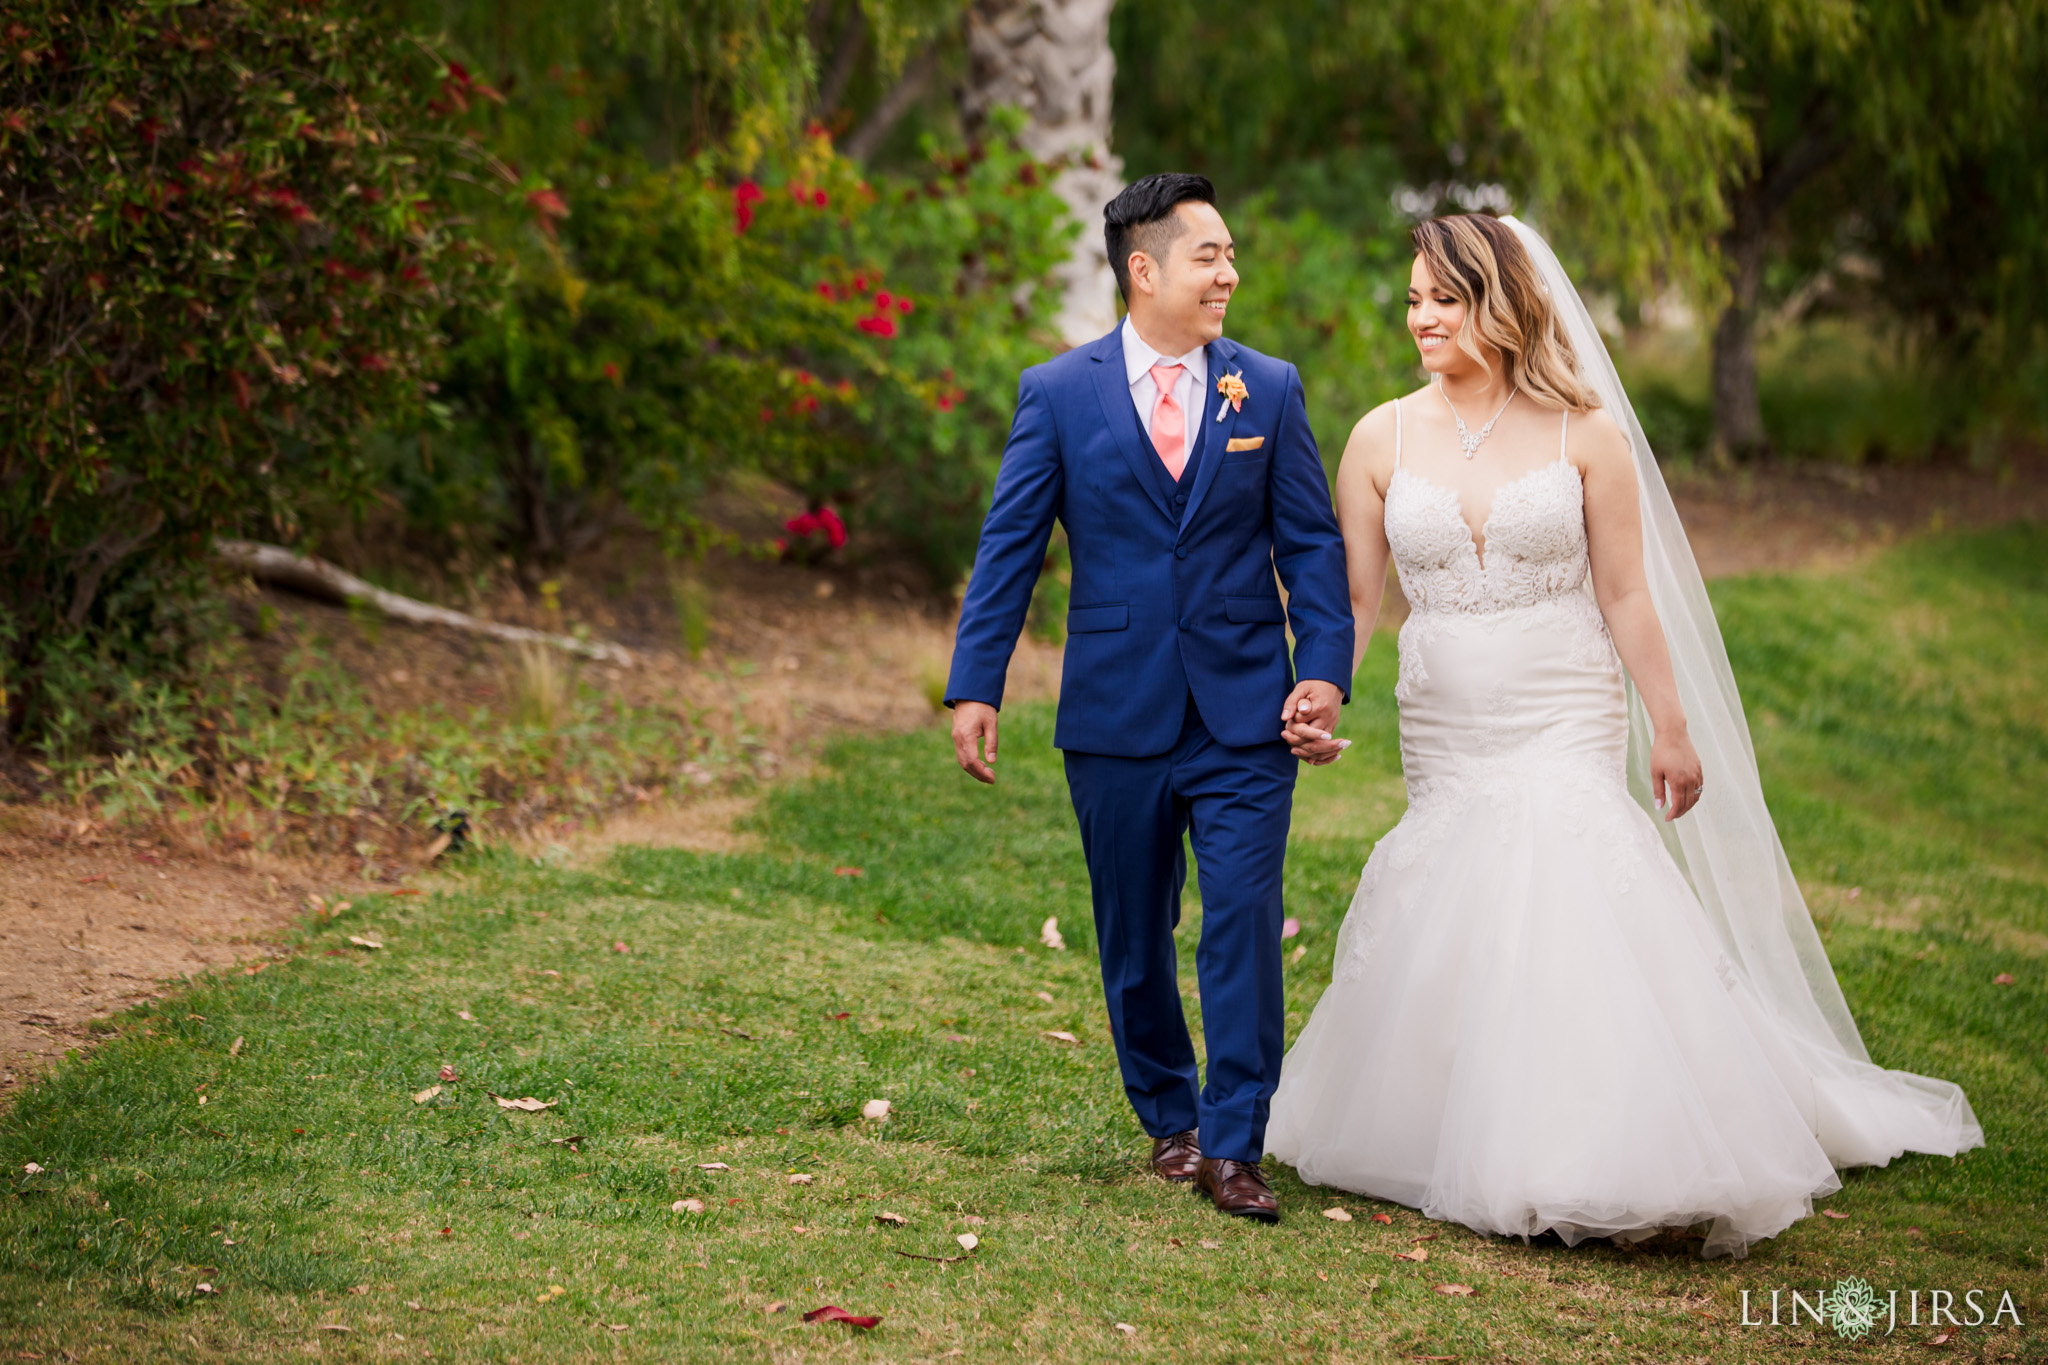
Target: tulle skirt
pixel 1531 1026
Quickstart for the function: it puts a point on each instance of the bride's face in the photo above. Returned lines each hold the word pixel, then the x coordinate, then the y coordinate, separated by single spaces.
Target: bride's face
pixel 1435 317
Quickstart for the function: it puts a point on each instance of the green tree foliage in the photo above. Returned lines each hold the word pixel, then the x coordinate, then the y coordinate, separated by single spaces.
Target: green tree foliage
pixel 1906 136
pixel 218 252
pixel 857 342
pixel 1588 113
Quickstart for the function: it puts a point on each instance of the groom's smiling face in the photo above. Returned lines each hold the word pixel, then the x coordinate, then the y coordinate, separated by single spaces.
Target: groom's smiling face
pixel 1182 277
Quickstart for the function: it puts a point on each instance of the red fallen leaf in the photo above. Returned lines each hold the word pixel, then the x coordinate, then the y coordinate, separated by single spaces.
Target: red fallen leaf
pixel 841 1015
pixel 1944 1339
pixel 849 872
pixel 95 877
pixel 620 947
pixel 447 1232
pixel 1382 1218
pixel 406 891
pixel 2002 979
pixel 1830 1213
pixel 448 1073
pixel 830 1313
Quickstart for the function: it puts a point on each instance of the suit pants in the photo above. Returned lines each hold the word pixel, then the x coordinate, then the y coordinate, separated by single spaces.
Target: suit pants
pixel 1234 804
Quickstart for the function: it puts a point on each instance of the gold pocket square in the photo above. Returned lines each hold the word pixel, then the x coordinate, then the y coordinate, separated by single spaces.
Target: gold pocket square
pixel 1244 443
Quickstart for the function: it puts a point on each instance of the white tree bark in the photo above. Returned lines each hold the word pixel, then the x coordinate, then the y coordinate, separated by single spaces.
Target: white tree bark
pixel 1052 58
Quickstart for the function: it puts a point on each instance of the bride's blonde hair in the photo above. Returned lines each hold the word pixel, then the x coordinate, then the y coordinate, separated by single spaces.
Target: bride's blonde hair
pixel 1480 262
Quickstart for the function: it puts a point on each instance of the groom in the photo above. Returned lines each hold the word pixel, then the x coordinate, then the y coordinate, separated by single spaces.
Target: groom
pixel 1184 471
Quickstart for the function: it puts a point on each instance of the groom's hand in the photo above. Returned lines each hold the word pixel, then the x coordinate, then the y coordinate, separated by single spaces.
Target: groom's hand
pixel 1308 721
pixel 974 722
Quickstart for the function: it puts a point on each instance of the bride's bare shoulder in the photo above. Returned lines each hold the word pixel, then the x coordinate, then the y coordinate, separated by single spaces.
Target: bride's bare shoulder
pixel 1595 439
pixel 1370 451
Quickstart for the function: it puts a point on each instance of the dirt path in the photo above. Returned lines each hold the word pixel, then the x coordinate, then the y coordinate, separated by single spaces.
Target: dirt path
pixel 92 922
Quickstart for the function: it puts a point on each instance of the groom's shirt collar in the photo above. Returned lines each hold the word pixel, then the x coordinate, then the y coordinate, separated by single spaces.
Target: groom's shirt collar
pixel 1139 359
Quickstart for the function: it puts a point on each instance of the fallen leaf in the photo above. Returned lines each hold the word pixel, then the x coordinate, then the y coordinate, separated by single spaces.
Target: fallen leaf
pixel 333 1327
pixel 1127 1329
pixel 687 1206
pixel 843 1014
pixel 1321 1276
pixel 974 1220
pixel 894 1219
pixel 1208 1245
pixel 528 1104
pixel 448 1073
pixel 204 1289
pixel 713 1166
pixel 235 1048
pixel 465 1016
pixel 1298 954
pixel 1061 1036
pixel 1289 927
pixel 1046 996
pixel 426 1094
pixel 797 1179
pixel 1456 1291
pixel 340 906
pixel 848 872
pixel 1418 1255
pixel 968 1241
pixel 1382 1218
pixel 1830 1213
pixel 405 891
pixel 775 1307
pixel 617 1327
pixel 95 877
pixel 1337 1215
pixel 1049 934
pixel 831 1313
pixel 573 1143
pixel 33 1169
pixel 447 1232
pixel 878 1110
pixel 361 942
pixel 619 947
pixel 2002 979
pixel 413 1304
pixel 1944 1339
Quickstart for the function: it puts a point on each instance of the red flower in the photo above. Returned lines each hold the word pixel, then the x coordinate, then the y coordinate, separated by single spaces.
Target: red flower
pixel 745 195
pixel 804 377
pixel 611 371
pixel 374 363
pixel 834 528
pixel 860 284
pixel 149 128
pixel 805 525
pixel 882 301
pixel 904 305
pixel 810 404
pixel 844 386
pixel 819 199
pixel 878 326
pixel 827 292
pixel 767 416
pixel 945 402
pixel 547 206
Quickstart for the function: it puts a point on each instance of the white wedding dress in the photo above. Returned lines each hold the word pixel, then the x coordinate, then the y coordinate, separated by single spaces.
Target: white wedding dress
pixel 1533 1025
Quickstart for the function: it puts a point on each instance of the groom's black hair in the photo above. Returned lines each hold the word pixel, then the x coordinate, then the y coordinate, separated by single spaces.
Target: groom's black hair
pixel 1142 218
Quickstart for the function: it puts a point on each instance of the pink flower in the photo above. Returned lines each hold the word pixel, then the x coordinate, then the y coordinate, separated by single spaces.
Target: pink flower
pixel 882 301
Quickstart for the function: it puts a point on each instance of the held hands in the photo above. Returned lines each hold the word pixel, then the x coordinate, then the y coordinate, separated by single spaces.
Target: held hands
pixel 1309 721
pixel 1676 777
pixel 974 722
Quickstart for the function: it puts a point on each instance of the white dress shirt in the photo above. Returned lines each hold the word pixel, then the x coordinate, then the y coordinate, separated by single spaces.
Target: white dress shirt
pixel 1189 390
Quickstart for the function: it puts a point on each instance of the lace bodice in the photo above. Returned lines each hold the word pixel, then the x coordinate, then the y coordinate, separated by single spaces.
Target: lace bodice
pixel 1535 542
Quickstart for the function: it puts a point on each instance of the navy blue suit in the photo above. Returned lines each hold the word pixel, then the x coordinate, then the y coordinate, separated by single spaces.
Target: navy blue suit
pixel 1169 716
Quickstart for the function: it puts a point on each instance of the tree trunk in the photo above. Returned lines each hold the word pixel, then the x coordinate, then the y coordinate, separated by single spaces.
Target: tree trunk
pixel 1052 59
pixel 1738 418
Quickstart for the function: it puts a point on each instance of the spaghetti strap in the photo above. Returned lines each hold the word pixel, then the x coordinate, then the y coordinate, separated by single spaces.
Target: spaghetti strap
pixel 1397 433
pixel 1564 420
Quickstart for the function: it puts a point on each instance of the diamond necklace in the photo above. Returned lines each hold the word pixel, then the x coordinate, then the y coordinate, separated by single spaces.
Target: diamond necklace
pixel 1466 440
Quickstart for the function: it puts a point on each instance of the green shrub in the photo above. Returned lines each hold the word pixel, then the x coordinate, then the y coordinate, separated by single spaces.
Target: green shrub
pixel 218 252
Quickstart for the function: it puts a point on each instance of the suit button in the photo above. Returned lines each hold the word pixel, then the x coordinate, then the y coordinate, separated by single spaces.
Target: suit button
pixel 1179 499
pixel 1183 623
pixel 1180 552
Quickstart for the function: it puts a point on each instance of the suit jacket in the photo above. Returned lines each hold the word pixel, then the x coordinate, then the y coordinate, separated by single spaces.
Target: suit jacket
pixel 1168 600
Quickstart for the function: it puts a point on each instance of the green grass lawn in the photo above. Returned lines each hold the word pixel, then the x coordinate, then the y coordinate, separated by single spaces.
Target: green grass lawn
pixel 681 1010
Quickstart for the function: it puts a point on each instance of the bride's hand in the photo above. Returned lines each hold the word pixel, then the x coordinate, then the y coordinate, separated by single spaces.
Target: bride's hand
pixel 1676 778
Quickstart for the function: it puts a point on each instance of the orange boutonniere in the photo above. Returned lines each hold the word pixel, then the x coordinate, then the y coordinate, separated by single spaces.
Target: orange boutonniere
pixel 1231 386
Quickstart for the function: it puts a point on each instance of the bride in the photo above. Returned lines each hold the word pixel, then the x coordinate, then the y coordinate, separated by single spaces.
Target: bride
pixel 1578 990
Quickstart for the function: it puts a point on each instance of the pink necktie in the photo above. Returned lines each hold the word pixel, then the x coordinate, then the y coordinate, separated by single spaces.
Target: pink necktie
pixel 1169 423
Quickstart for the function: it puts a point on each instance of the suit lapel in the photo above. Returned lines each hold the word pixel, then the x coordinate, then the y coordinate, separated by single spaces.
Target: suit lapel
pixel 1113 389
pixel 1215 434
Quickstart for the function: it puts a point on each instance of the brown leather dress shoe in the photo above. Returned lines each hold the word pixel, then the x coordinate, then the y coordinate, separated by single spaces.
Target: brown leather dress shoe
pixel 1176 1158
pixel 1239 1188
